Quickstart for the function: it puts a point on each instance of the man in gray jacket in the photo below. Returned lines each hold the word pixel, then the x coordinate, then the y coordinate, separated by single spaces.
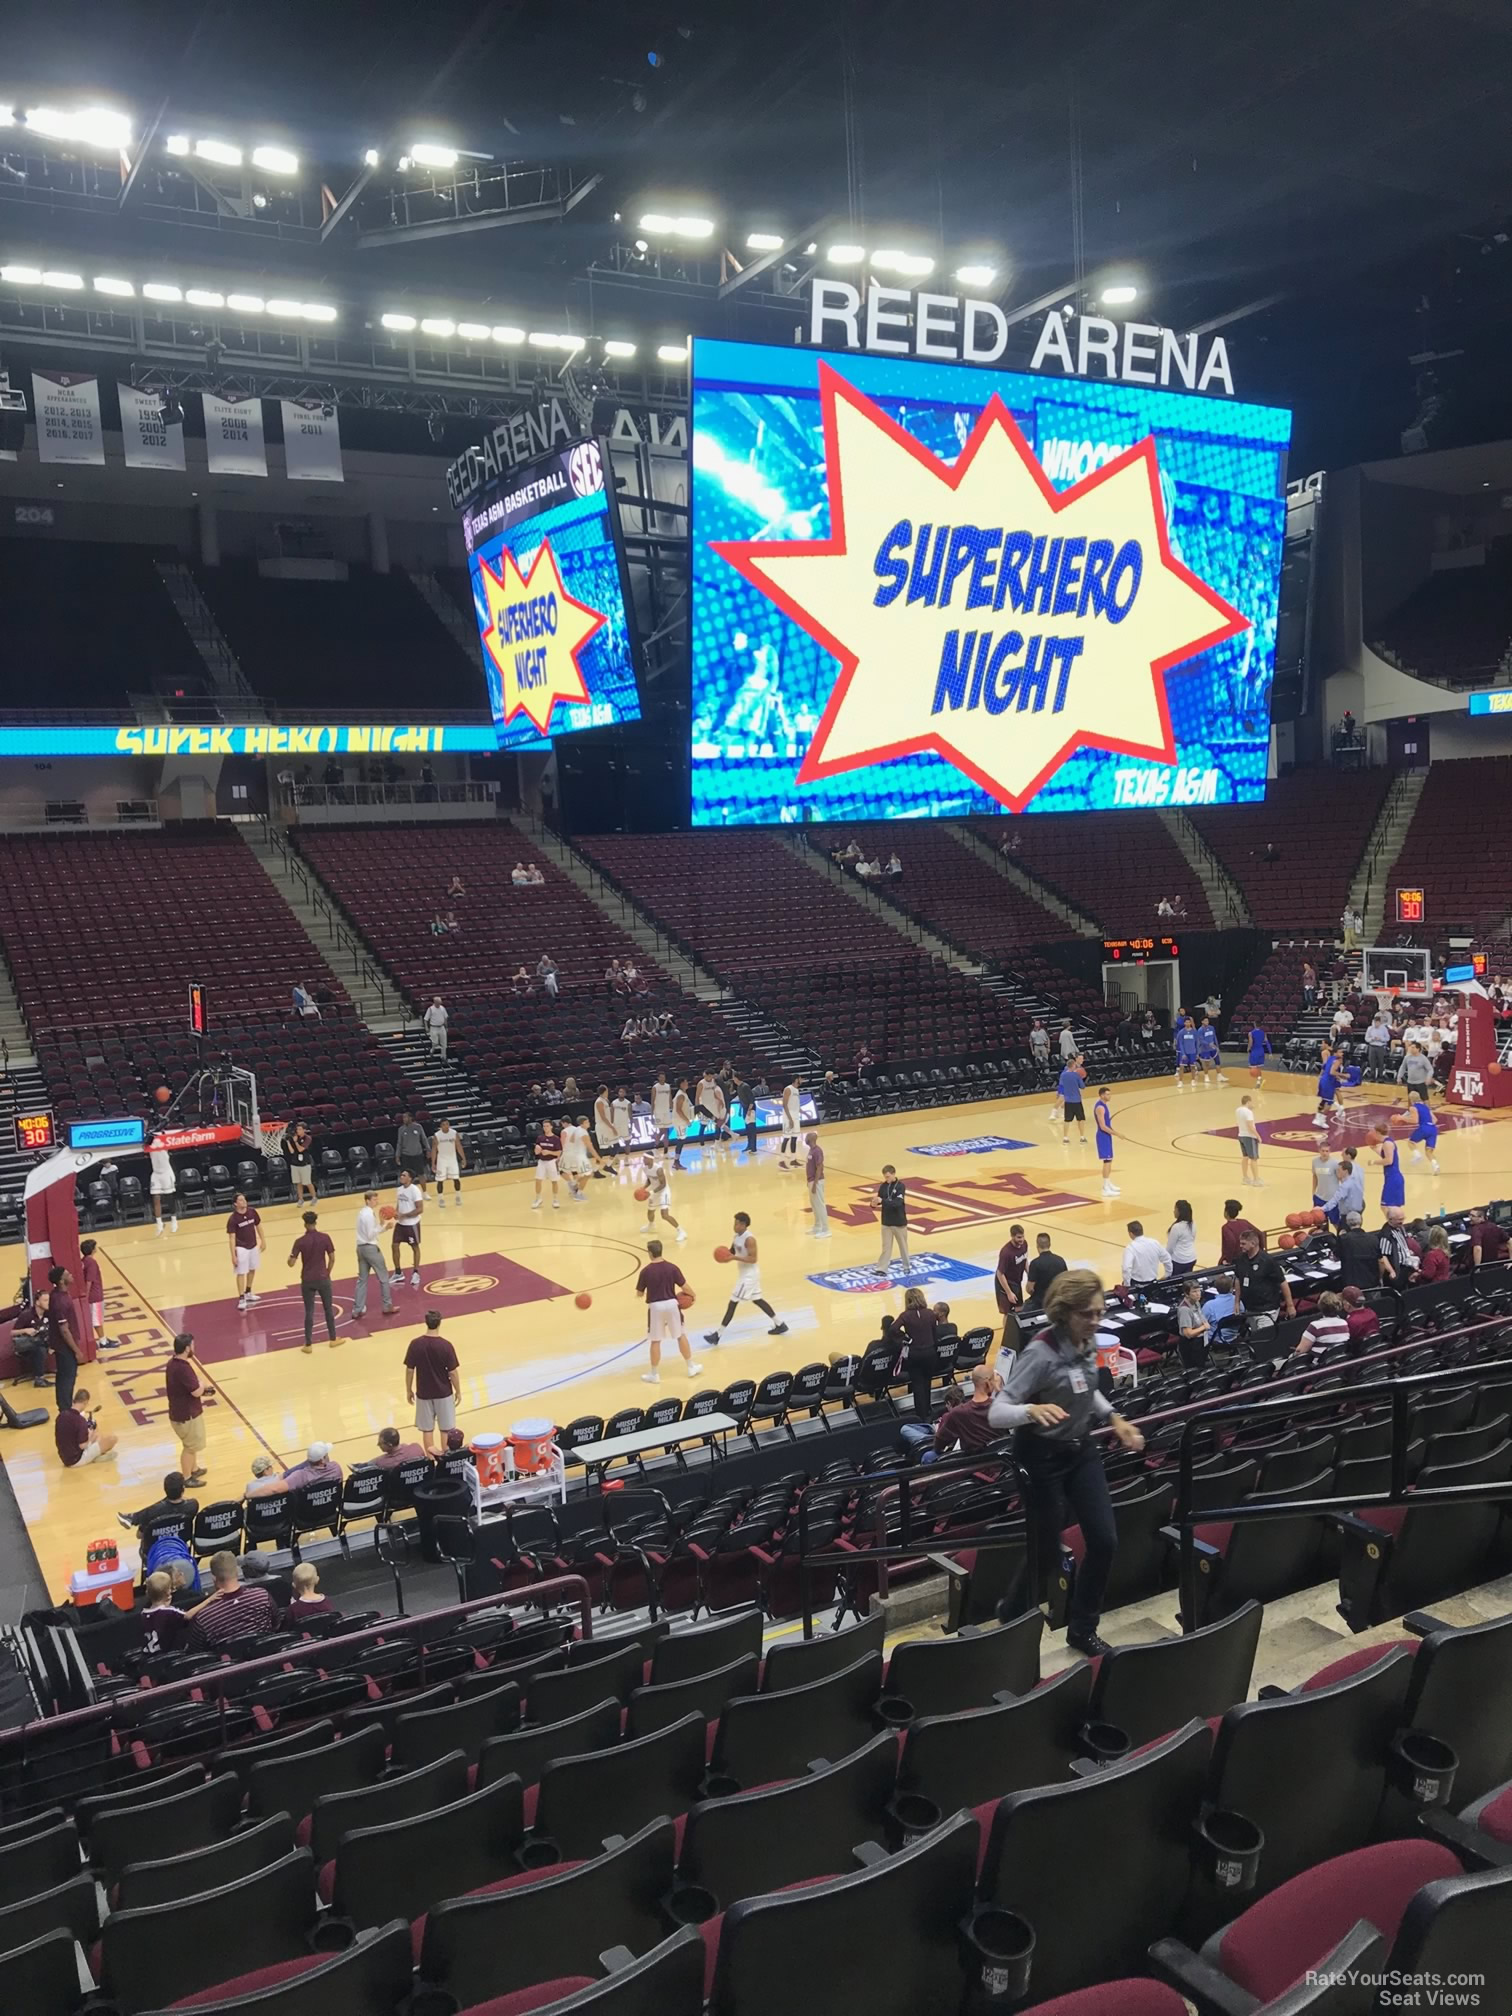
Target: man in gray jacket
pixel 412 1147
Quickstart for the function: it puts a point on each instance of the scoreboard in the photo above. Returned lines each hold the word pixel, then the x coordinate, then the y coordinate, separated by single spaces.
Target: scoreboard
pixel 1139 951
pixel 35 1131
pixel 1410 907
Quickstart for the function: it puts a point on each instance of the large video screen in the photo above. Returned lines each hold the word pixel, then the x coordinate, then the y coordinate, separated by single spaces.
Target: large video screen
pixel 549 595
pixel 928 589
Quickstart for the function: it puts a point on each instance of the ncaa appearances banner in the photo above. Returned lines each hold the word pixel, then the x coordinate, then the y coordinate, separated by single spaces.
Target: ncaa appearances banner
pixel 234 434
pixel 920 588
pixel 67 406
pixel 312 441
pixel 149 442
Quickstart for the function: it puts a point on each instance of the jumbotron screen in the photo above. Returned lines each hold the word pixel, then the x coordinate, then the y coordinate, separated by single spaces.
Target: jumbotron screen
pixel 549 595
pixel 928 589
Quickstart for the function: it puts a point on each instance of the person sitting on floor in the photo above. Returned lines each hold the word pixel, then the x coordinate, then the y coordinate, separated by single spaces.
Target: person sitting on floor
pixel 78 1440
pixel 306 1600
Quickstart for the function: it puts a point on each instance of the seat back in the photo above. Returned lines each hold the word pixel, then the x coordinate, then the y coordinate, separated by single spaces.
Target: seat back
pixel 38 1861
pixel 1461 1692
pixel 316 1505
pixel 1272 1557
pixel 1442 1549
pixel 372 1975
pixel 894 1928
pixel 705 1694
pixel 43 1976
pixel 1458 1925
pixel 292 1784
pixel 268 1518
pixel 1149 1690
pixel 386 1803
pixel 174 1876
pixel 685 1654
pixel 478 1948
pixel 73 1906
pixel 766 1736
pixel 527 1752
pixel 552 1697
pixel 804 1660
pixel 155 1956
pixel 464 1725
pixel 941 1675
pixel 218 1526
pixel 1310 1769
pixel 1037 1835
pixel 584 1800
pixel 399 1868
pixel 160 1827
pixel 985 1753
pixel 765 1840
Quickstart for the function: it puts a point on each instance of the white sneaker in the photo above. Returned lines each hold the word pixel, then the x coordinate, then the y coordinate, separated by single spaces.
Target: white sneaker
pixel 157 1228
pixel 1221 1079
pixel 1434 1167
pixel 415 1278
pixel 682 1235
pixel 251 1299
pixel 173 1224
pixel 1319 1121
pixel 1109 1191
pixel 241 1301
pixel 440 1203
pixel 652 1378
pixel 1416 1155
pixel 536 1205
pixel 694 1370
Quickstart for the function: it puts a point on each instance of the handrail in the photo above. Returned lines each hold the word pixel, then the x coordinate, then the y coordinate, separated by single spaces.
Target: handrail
pixel 428 1623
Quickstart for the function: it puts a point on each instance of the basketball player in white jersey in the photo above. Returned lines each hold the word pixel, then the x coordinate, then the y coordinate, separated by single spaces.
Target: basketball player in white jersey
pixel 619 1114
pixel 603 1124
pixel 659 1202
pixel 448 1158
pixel 747 1282
pixel 409 1202
pixel 792 1120
pixel 163 1184
pixel 661 1106
pixel 710 1101
pixel 577 1154
pixel 682 1120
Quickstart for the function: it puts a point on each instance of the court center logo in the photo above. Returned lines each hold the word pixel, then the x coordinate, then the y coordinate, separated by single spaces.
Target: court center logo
pixel 947 1207
pixel 979 613
pixel 462 1284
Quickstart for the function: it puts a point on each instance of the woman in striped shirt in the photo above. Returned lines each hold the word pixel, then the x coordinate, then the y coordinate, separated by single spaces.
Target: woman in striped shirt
pixel 1328 1327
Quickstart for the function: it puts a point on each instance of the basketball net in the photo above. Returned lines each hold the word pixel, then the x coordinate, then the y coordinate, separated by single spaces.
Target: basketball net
pixel 272 1134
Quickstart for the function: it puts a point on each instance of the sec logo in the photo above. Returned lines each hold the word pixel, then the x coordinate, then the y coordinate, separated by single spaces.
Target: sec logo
pixel 585 469
pixel 462 1284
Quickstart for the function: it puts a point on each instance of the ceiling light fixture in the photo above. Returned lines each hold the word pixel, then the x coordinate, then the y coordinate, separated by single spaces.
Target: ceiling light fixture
pixel 399 322
pixel 177 143
pixel 976 276
pixel 672 353
pixel 473 332
pixel 276 160
pixel 246 304
pixel 69 283
pixel 615 348
pixel 162 290
pixel 764 241
pixel 846 255
pixel 204 297
pixel 105 285
pixel 437 325
pixel 92 126
pixel 221 152
pixel 506 332
pixel 425 155
pixel 1119 296
pixel 22 276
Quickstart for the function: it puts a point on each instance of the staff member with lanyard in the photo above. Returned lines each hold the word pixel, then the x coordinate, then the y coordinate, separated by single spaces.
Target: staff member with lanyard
pixel 1052 1403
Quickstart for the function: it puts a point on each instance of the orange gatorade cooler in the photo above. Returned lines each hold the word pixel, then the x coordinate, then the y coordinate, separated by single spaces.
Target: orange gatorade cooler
pixel 530 1442
pixel 488 1453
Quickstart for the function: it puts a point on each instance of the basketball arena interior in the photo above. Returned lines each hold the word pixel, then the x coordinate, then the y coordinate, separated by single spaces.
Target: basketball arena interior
pixel 755 1009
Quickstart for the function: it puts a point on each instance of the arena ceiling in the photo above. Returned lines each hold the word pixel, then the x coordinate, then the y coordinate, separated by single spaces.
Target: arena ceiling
pixel 1331 184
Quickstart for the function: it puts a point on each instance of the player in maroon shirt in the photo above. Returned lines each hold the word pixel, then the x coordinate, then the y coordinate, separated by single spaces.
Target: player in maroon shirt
pixel 314 1252
pixel 659 1283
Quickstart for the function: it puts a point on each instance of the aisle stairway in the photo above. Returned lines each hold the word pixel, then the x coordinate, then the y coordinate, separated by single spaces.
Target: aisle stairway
pixel 1225 898
pixel 372 991
pixel 1368 891
pixel 444 1088
pixel 1076 923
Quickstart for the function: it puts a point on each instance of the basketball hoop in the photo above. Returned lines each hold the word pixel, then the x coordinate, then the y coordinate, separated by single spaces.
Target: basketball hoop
pixel 267 1136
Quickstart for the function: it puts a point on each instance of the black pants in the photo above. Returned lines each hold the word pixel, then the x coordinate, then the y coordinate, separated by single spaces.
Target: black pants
pixel 1067 1484
pixel 67 1376
pixel 921 1390
pixel 309 1290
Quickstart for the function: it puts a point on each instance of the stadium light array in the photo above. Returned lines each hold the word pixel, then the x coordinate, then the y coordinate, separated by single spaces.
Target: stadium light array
pixel 506 332
pixel 221 152
pixel 976 276
pixel 764 241
pixel 107 284
pixel 550 339
pixel 425 154
pixel 204 297
pixel 473 332
pixel 275 160
pixel 846 255
pixel 370 158
pixel 401 324
pixel 615 347
pixel 66 283
pixel 1119 295
pixel 91 126
pixel 22 276
pixel 660 225
pixel 162 290
pixel 911 265
pixel 246 304
pixel 672 353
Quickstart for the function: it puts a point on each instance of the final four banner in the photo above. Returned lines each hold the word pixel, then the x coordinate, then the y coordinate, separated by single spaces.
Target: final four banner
pixel 149 442
pixel 312 441
pixel 68 417
pixel 234 434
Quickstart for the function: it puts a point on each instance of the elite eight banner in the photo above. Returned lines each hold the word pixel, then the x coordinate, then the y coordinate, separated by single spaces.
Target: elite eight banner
pixel 234 434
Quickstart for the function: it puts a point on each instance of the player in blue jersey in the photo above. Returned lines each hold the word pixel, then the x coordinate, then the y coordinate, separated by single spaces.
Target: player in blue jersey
pixel 1393 1187
pixel 1328 1089
pixel 1259 1050
pixel 1424 1135
pixel 1102 1122
pixel 1208 1054
pixel 1185 1043
pixel 1070 1090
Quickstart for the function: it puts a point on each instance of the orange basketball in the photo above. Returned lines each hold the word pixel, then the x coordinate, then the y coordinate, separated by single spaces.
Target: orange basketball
pixel 1375 1137
pixel 722 1254
pixel 686 1298
pixel 1317 1217
pixel 1286 1240
pixel 1295 1218
pixel 1400 1122
pixel 641 1193
pixel 162 1095
pixel 1495 1070
pixel 386 1213
pixel 583 1299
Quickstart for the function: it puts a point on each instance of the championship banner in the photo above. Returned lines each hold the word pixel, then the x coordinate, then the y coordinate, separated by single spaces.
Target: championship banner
pixel 68 417
pixel 149 442
pixel 312 441
pixel 234 434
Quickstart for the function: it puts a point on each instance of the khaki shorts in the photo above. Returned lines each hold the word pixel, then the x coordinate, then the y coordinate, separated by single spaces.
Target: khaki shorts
pixel 191 1434
pixel 436 1413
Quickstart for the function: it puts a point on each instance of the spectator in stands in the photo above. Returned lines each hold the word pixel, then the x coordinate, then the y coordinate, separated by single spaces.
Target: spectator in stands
pixel 1270 854
pixel 1343 1022
pixel 265 1480
pixel 1347 929
pixel 63 1332
pixel 306 1601
pixel 518 875
pixel 1039 1042
pixel 520 981
pixel 456 886
pixel 1234 1230
pixel 1068 1045
pixel 965 1425
pixel 315 1253
pixel 892 868
pixel 432 1382
pixel 1309 983
pixel 1221 1301
pixel 451 922
pixel 1347 726
pixel 317 1468
pixel 299 1153
pixel 437 925
pixel 1364 1324
pixel 1178 908
pixel 1329 1326
pixel 1181 1239
pixel 864 1061
pixel 1193 1324
pixel 172 1502
pixel 187 1393
pixel 1165 907
pixel 1359 1255
pixel 635 981
pixel 77 1438
pixel 304 1001
pixel 1488 1240
pixel 535 877
pixel 236 1609
pixel 1041 1271
pixel 1434 1263
pixel 436 1020
pixel 1263 1283
pixel 1144 1258
pixel 159 1626
pixel 392 1451
pixel 1052 1402
pixel 1011 842
pixel 546 973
